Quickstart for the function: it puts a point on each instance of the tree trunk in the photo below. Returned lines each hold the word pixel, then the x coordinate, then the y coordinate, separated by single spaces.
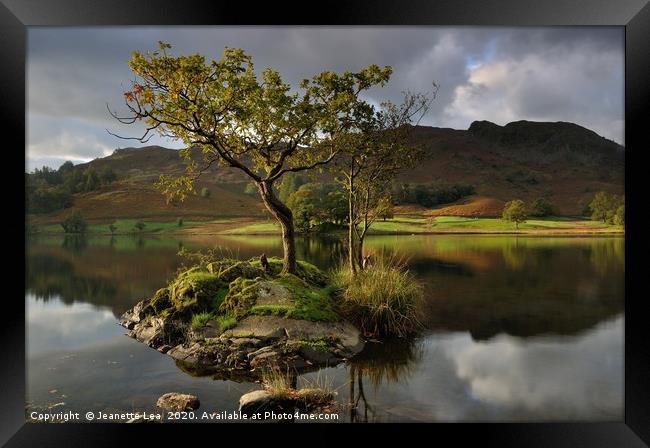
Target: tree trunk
pixel 360 250
pixel 284 216
pixel 351 249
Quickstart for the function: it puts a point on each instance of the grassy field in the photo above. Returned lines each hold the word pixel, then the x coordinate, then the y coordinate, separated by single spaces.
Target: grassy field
pixel 397 225
pixel 454 224
pixel 125 226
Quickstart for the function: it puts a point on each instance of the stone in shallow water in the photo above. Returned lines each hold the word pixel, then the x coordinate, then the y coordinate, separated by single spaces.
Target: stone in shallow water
pixel 256 401
pixel 173 401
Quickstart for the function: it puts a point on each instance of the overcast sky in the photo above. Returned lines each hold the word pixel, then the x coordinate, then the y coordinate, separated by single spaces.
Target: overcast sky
pixel 484 73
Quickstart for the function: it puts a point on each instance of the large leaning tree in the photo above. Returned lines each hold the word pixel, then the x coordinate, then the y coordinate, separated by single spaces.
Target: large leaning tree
pixel 370 159
pixel 240 119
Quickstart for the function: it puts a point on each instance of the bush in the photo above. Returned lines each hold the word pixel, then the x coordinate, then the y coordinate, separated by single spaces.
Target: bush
pixel 112 228
pixel 383 300
pixel 75 223
pixel 179 222
pixel 139 226
pixel 541 207
pixel 205 192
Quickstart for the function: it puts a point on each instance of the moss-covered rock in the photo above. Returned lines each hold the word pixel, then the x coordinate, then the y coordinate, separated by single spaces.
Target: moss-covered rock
pixel 285 320
pixel 305 271
pixel 195 291
pixel 242 293
pixel 241 269
pixel 160 301
pixel 309 302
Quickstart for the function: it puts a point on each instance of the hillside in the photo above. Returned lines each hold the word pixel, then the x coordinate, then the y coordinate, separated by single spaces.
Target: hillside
pixel 562 162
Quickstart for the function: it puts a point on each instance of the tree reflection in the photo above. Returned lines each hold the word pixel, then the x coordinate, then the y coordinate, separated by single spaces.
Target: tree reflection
pixel 75 243
pixel 391 361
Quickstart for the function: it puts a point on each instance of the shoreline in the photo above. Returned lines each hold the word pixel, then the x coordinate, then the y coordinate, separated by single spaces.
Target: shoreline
pixel 564 232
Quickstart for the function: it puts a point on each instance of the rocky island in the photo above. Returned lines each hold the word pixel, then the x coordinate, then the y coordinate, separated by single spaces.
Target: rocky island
pixel 236 319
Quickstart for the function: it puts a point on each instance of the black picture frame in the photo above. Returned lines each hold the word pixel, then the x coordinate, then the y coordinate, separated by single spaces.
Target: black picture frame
pixel 634 15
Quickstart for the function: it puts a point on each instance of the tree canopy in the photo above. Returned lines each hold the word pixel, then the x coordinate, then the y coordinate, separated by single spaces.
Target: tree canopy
pixel 515 211
pixel 255 123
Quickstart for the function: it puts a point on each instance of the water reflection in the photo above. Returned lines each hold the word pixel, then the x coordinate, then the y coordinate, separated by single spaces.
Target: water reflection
pixel 517 328
pixel 379 363
pixel 522 286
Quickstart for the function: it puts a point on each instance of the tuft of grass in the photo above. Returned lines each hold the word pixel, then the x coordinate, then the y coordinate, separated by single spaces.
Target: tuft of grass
pixel 384 300
pixel 226 322
pixel 317 394
pixel 277 383
pixel 199 320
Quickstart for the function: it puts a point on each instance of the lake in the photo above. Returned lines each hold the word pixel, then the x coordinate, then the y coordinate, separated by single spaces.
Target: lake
pixel 517 328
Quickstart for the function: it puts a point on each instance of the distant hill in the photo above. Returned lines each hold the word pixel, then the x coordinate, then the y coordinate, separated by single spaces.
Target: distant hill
pixel 562 162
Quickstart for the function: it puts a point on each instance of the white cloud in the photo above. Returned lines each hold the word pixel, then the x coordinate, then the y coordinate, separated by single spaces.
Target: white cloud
pixel 582 86
pixel 68 145
pixel 534 374
pixel 497 74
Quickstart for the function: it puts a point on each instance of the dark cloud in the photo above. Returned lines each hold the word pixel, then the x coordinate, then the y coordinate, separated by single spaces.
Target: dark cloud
pixel 571 74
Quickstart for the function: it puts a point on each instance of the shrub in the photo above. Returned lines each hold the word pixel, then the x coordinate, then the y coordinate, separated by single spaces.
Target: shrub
pixel 205 192
pixel 112 228
pixel 179 222
pixel 383 300
pixel 139 226
pixel 541 207
pixel 74 223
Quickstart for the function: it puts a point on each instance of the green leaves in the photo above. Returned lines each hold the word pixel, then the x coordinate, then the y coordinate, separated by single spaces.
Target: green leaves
pixel 239 119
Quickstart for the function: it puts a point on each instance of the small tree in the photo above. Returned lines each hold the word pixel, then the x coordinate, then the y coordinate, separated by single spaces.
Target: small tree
pixel 112 227
pixel 385 208
pixel 370 161
pixel 541 207
pixel 107 176
pixel 139 226
pixel 619 217
pixel 91 180
pixel 179 222
pixel 253 122
pixel 74 223
pixel 600 205
pixel 515 211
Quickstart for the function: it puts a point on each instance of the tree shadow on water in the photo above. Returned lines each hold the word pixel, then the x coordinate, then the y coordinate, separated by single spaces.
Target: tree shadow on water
pixel 75 243
pixel 390 361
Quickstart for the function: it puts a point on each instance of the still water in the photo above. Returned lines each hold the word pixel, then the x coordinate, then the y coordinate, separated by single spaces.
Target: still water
pixel 518 329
